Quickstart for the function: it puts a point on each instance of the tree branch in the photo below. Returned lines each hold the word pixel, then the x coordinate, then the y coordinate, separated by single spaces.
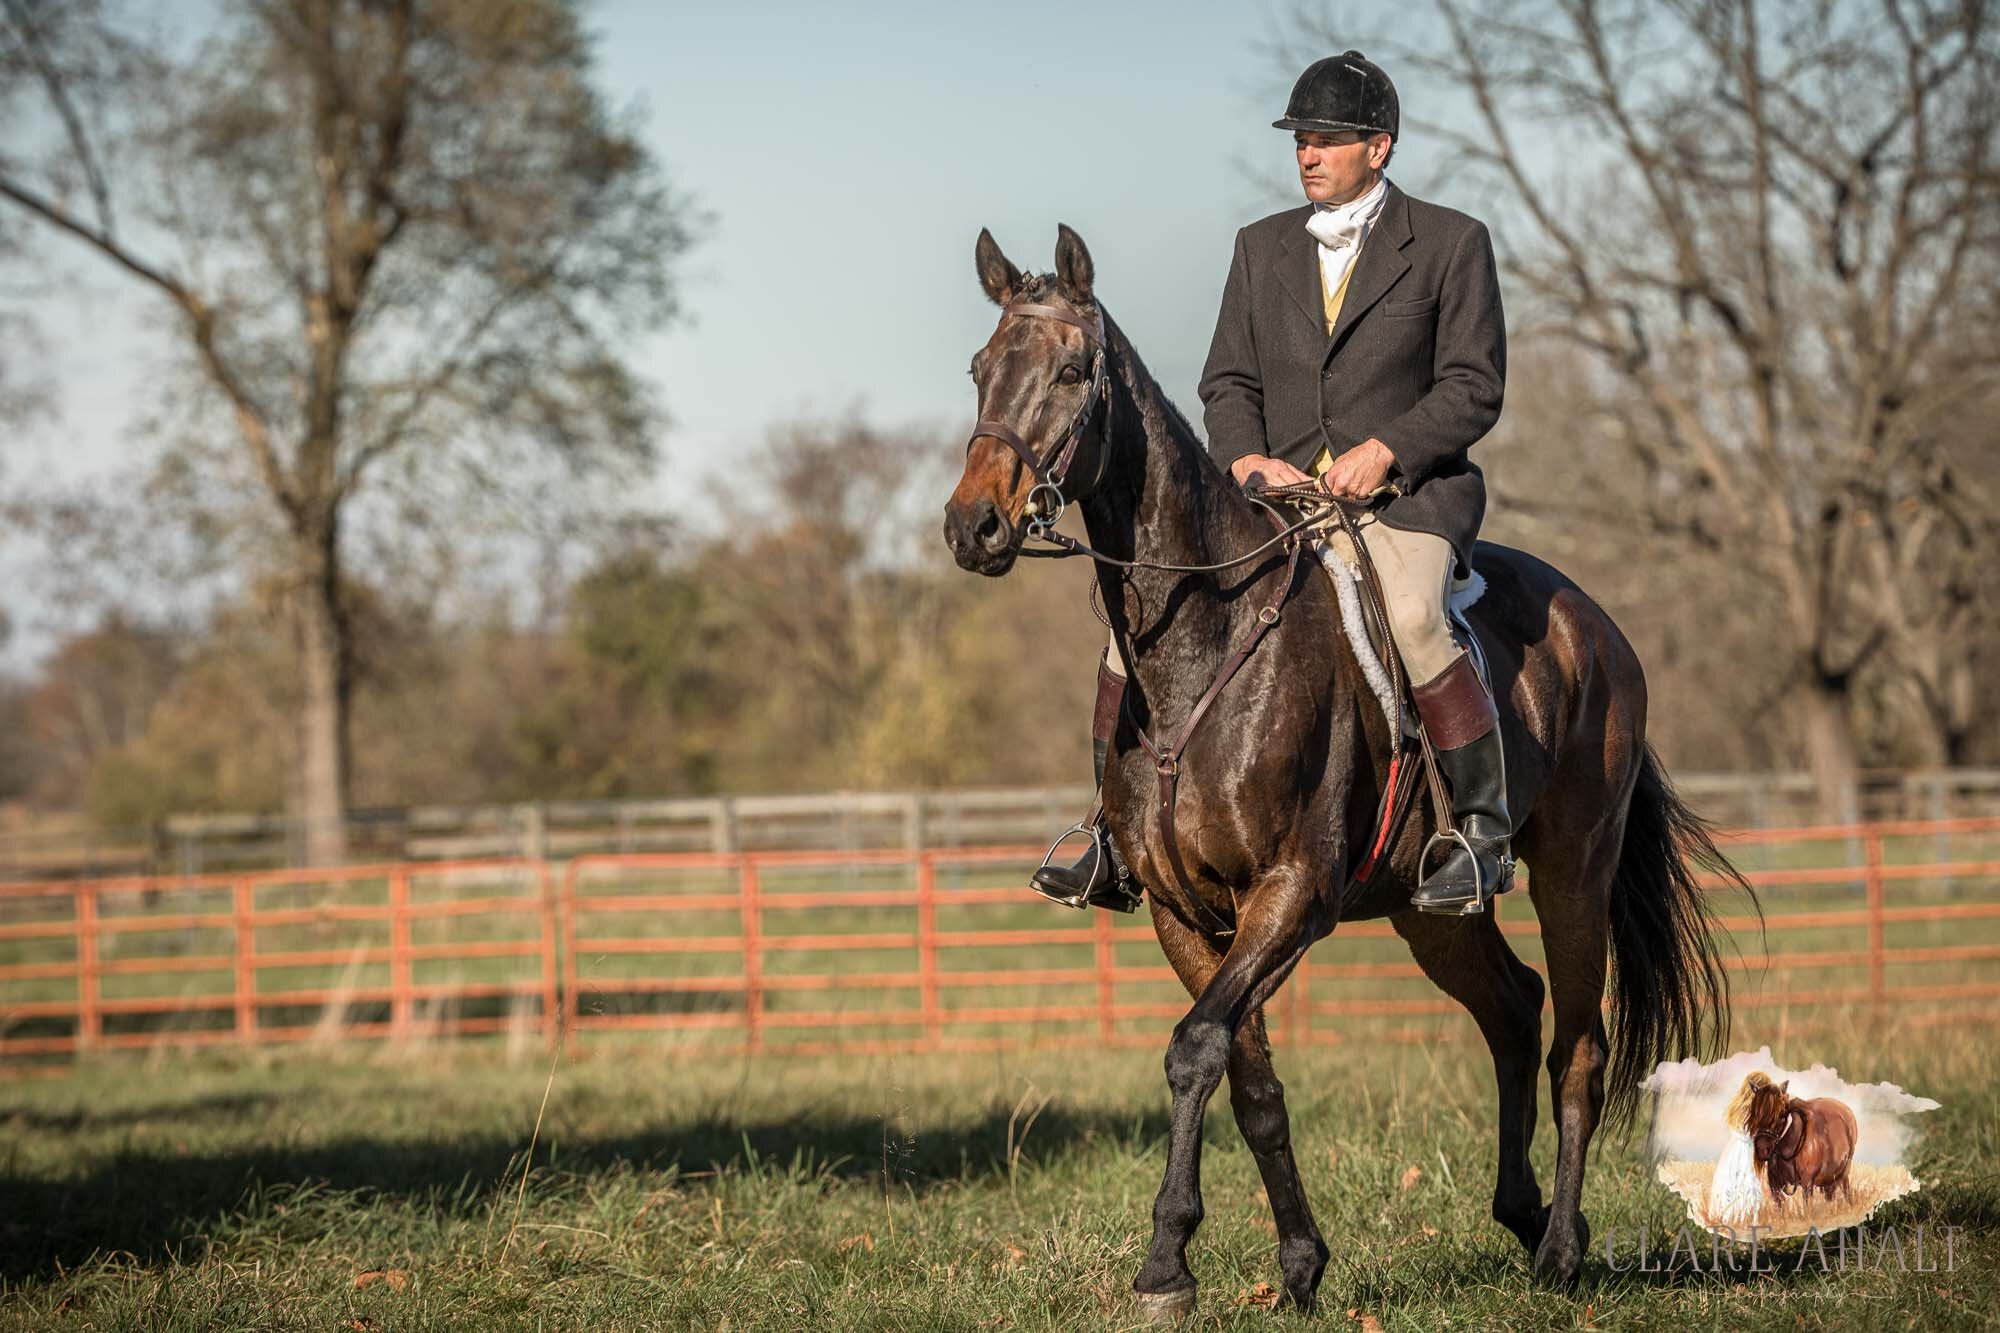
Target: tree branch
pixel 250 418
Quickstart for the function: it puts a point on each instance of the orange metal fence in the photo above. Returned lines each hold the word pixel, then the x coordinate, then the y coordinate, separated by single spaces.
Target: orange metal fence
pixel 252 955
pixel 819 951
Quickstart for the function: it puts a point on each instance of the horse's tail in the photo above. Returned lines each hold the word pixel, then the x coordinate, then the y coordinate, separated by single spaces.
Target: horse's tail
pixel 1670 997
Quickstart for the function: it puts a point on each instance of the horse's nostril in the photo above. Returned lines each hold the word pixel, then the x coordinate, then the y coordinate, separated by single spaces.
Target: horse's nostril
pixel 989 526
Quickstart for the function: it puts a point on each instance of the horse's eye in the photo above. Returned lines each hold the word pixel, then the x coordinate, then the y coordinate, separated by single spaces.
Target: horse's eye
pixel 1070 375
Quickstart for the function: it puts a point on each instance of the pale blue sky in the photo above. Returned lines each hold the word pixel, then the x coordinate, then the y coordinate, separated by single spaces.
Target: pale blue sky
pixel 847 155
pixel 855 151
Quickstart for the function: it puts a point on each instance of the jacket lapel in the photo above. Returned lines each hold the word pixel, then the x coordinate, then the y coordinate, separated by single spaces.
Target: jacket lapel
pixel 1382 262
pixel 1300 272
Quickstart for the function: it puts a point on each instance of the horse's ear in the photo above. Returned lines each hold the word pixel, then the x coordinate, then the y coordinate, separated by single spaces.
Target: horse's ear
pixel 996 273
pixel 1074 271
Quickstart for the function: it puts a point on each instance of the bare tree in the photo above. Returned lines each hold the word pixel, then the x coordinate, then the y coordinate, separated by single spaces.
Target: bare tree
pixel 393 236
pixel 1772 225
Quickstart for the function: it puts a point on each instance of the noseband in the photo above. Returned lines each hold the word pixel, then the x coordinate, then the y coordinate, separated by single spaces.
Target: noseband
pixel 1051 473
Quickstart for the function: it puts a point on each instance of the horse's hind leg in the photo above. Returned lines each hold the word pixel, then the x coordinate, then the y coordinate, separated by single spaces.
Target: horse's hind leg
pixel 1573 901
pixel 1468 959
pixel 1259 1102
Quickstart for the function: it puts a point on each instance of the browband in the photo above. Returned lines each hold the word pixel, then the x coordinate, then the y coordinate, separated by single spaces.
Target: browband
pixel 1094 332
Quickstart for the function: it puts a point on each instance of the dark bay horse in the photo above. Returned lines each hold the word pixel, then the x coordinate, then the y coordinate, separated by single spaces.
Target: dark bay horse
pixel 1805 1145
pixel 1282 781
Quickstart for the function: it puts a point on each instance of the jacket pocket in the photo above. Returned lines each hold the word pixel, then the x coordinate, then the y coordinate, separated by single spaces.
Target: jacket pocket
pixel 1425 305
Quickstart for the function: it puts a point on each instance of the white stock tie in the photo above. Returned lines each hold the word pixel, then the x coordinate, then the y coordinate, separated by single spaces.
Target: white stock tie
pixel 1338 229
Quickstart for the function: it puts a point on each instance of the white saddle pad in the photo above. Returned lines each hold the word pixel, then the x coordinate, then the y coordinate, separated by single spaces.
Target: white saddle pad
pixel 1347 586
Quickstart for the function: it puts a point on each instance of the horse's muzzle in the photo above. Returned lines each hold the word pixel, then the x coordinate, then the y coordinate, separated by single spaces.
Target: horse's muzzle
pixel 982 539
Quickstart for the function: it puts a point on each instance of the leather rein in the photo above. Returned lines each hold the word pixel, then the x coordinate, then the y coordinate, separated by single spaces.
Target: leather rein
pixel 1050 475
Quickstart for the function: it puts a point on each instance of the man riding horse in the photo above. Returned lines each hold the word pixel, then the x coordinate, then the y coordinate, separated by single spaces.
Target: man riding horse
pixel 1361 341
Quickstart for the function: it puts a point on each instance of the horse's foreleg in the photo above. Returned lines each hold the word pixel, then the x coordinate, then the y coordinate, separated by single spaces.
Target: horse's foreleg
pixel 1259 1102
pixel 1270 937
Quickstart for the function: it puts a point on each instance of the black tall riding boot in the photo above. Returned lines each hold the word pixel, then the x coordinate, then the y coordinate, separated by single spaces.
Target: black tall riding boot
pixel 1464 728
pixel 1096 879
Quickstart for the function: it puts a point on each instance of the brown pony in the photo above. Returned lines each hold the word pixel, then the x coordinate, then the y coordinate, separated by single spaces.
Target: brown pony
pixel 1803 1145
pixel 1281 782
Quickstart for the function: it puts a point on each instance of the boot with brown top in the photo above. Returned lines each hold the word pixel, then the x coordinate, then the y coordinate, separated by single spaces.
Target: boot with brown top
pixel 1464 729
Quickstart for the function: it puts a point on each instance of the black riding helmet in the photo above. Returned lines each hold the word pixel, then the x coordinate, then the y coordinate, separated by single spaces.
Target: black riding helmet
pixel 1343 92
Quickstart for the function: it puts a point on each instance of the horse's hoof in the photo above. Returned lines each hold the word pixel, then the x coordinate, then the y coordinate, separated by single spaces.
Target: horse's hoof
pixel 1164 1307
pixel 1556 1272
pixel 1557 1264
pixel 1529 1228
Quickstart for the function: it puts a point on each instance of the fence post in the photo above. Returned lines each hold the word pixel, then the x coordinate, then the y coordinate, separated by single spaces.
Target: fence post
pixel 246 966
pixel 532 819
pixel 401 1001
pixel 87 1017
pixel 1107 960
pixel 1872 851
pixel 572 980
pixel 753 956
pixel 551 1022
pixel 927 946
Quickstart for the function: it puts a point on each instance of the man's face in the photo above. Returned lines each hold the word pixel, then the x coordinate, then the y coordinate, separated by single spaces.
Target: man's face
pixel 1337 167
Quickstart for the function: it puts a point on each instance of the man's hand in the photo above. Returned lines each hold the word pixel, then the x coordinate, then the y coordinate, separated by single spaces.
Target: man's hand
pixel 1262 470
pixel 1356 474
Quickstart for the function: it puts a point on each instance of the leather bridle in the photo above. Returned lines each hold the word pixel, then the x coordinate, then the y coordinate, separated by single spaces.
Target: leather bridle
pixel 1052 473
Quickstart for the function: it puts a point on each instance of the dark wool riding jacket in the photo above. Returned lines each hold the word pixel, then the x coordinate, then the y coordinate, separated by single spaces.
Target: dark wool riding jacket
pixel 1418 358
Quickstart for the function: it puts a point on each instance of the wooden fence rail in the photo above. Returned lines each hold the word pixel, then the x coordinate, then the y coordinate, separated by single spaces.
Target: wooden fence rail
pixel 862 950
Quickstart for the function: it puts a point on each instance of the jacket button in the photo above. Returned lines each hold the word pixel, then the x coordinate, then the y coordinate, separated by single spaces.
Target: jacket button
pixel 1326 374
pixel 1326 421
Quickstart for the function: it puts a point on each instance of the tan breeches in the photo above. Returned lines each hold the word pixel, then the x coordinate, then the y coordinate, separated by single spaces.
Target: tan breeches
pixel 1415 568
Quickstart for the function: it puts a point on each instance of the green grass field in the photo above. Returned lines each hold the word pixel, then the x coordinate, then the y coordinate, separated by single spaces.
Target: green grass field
pixel 380 1188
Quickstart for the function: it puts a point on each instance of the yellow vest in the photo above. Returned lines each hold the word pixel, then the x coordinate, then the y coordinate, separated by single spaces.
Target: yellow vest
pixel 1330 300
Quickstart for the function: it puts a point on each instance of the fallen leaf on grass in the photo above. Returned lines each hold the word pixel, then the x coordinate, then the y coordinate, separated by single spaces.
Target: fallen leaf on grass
pixel 1411 1175
pixel 1011 1257
pixel 396 1278
pixel 1263 1294
pixel 362 1324
pixel 1369 1323
pixel 1430 1231
pixel 866 1240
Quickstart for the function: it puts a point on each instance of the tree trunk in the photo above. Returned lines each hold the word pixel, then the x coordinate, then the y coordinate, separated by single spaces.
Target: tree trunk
pixel 1830 750
pixel 326 679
